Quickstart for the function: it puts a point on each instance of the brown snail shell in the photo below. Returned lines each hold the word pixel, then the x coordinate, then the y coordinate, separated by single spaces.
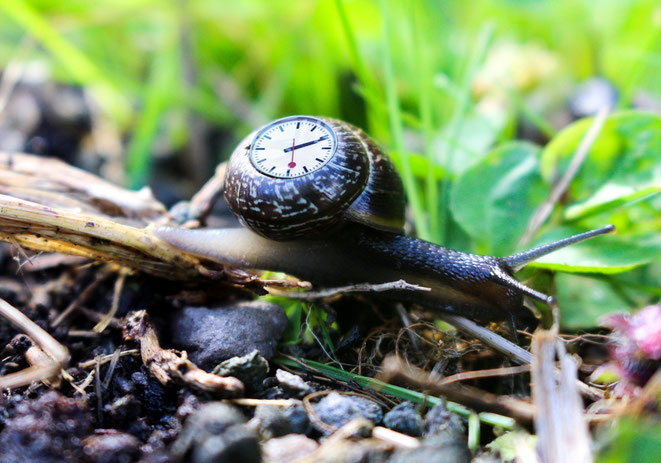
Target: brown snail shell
pixel 358 184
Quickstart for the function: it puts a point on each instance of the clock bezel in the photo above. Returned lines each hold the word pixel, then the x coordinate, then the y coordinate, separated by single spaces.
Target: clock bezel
pixel 266 128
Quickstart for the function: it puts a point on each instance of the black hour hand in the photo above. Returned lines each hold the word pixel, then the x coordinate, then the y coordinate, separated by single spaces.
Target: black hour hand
pixel 303 145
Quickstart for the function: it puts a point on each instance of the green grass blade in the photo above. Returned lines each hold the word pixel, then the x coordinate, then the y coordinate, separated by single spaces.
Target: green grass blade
pixel 80 67
pixel 395 391
pixel 397 128
pixel 425 81
pixel 160 93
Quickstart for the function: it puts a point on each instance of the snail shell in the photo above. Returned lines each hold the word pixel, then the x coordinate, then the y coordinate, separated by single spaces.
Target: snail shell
pixel 358 184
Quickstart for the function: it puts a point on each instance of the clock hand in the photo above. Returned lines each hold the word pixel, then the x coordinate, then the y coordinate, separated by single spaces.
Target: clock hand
pixel 292 164
pixel 303 145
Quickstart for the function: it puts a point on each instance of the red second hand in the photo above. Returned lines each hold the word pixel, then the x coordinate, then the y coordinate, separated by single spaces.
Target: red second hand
pixel 292 164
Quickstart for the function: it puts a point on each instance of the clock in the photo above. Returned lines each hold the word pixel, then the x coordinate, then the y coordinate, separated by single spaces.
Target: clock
pixel 293 147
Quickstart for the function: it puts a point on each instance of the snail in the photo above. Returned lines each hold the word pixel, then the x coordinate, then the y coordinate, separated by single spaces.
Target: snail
pixel 320 201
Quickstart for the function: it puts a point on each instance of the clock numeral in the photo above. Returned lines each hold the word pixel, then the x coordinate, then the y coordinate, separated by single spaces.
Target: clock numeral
pixel 320 160
pixel 266 136
pixel 298 124
pixel 259 148
pixel 272 169
pixel 325 148
pixel 312 129
pixel 281 129
pixel 287 172
pixel 305 169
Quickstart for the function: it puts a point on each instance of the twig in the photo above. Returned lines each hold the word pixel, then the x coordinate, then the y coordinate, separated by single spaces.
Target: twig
pixel 114 307
pixel 488 337
pixel 357 288
pixel 107 358
pixel 247 402
pixel 504 371
pixel 82 297
pixel 167 365
pixel 406 321
pixel 57 352
pixel 200 206
pixel 560 422
pixel 397 439
pixel 471 397
pixel 544 210
pixel 507 348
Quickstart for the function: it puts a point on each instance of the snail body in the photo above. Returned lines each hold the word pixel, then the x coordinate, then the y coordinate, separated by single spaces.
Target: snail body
pixel 334 216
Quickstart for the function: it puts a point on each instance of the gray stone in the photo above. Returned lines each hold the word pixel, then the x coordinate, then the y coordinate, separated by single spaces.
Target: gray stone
pixel 337 410
pixel 405 419
pixel 250 369
pixel 440 420
pixel 216 433
pixel 293 383
pixel 270 421
pixel 211 335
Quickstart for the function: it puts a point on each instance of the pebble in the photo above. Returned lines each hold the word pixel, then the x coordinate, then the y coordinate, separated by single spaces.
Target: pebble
pixel 211 335
pixel 250 369
pixel 337 410
pixel 273 421
pixel 270 421
pixel 293 384
pixel 299 422
pixel 111 447
pixel 440 420
pixel 288 448
pixel 216 433
pixel 405 419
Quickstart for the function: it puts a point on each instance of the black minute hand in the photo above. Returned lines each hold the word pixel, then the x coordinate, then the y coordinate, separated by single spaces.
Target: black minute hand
pixel 303 145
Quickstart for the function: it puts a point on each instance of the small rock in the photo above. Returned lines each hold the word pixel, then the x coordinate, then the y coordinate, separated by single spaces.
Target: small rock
pixel 405 419
pixel 337 410
pixel 293 383
pixel 211 335
pixel 299 422
pixel 288 448
pixel 45 430
pixel 250 369
pixel 216 434
pixel 270 421
pixel 450 446
pixel 111 447
pixel 439 420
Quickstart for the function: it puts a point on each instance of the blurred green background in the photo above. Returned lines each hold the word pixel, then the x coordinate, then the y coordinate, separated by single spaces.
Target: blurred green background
pixel 475 102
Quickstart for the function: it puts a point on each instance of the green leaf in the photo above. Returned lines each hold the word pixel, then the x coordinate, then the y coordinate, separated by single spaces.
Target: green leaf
pixel 583 300
pixel 605 254
pixel 494 200
pixel 610 197
pixel 632 440
pixel 622 166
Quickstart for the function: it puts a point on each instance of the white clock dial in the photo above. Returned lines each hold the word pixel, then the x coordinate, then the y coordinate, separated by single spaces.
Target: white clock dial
pixel 293 147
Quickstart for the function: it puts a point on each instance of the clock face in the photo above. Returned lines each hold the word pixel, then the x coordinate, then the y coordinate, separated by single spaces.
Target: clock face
pixel 293 147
